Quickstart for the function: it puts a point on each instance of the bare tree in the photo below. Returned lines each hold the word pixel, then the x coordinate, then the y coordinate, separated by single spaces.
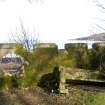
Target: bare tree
pixel 100 4
pixel 101 7
pixel 25 37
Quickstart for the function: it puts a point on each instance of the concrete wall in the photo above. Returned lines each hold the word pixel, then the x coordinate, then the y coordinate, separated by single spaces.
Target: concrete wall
pixel 6 48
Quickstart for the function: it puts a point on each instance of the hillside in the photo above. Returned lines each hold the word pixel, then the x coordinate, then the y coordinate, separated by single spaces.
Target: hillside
pixel 94 37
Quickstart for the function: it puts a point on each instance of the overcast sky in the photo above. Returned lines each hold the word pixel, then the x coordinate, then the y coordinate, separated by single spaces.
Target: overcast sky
pixel 53 20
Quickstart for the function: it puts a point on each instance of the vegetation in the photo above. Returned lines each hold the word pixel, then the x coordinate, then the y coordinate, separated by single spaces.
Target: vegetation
pixel 42 59
pixel 95 99
pixel 93 59
pixel 39 70
pixel 79 54
pixel 35 62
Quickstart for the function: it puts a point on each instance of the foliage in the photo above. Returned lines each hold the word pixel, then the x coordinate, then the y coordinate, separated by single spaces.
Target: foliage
pixel 78 53
pixel 62 59
pixel 97 57
pixel 95 99
pixel 42 60
pixel 43 56
pixel 9 82
pixel 15 81
pixel 35 62
pixel 93 59
pixel 26 55
pixel 2 80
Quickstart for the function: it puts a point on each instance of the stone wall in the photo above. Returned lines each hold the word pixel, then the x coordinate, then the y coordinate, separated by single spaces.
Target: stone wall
pixel 6 48
pixel 76 45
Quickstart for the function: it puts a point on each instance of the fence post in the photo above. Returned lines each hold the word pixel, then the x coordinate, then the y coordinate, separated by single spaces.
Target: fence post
pixel 62 88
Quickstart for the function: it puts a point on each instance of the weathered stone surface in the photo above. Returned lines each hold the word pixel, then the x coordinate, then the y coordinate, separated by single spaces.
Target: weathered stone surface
pixel 10 67
pixel 75 74
pixel 6 48
pixel 46 45
pixel 76 45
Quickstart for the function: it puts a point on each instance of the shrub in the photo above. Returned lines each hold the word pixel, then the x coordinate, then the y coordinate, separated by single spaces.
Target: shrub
pixel 43 55
pixel 78 52
pixel 15 81
pixel 2 80
pixel 35 61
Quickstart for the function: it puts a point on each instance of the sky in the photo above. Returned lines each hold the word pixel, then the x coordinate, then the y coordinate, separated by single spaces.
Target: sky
pixel 51 20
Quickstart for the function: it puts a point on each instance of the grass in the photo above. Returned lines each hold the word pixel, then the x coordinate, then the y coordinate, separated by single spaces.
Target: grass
pixel 95 99
pixel 78 95
pixel 6 98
